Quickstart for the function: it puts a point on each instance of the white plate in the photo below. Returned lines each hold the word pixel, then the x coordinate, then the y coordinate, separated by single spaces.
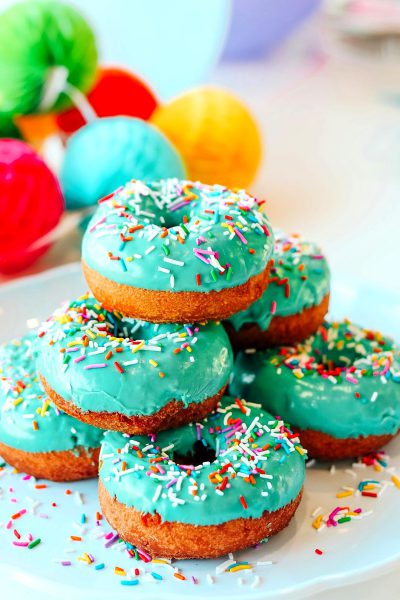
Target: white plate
pixel 352 552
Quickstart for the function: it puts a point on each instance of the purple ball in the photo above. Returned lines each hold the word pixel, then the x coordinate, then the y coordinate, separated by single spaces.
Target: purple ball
pixel 258 26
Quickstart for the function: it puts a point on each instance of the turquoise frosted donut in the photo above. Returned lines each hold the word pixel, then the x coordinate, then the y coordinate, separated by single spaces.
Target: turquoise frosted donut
pixel 236 465
pixel 130 375
pixel 342 383
pixel 178 243
pixel 29 423
pixel 299 280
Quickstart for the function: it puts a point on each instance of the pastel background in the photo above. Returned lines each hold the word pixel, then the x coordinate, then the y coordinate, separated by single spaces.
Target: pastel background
pixel 321 80
pixel 328 110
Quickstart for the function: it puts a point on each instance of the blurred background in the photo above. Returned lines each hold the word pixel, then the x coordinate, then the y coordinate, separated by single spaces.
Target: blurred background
pixel 297 100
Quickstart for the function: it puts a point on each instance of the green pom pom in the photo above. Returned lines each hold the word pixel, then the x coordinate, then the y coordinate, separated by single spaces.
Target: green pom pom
pixel 7 127
pixel 42 40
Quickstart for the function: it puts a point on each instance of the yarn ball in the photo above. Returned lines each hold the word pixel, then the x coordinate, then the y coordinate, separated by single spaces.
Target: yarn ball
pixel 106 153
pixel 31 205
pixel 45 45
pixel 115 92
pixel 215 134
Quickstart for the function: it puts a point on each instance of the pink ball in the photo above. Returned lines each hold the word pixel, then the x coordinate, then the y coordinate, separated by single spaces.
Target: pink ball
pixel 31 204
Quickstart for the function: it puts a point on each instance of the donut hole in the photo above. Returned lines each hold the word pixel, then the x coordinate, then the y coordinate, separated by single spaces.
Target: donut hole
pixel 171 219
pixel 334 358
pixel 200 453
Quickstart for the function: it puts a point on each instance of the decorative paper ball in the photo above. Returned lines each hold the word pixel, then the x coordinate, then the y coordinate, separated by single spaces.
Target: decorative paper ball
pixel 115 92
pixel 43 43
pixel 31 205
pixel 108 152
pixel 215 134
pixel 259 26
pixel 7 127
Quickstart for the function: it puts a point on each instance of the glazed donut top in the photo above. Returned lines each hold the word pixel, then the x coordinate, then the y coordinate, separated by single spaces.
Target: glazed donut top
pixel 102 362
pixel 238 462
pixel 178 236
pixel 299 279
pixel 343 381
pixel 28 421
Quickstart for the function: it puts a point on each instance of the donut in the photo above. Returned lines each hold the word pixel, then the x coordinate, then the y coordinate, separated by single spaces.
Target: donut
pixel 204 489
pixel 340 388
pixel 294 303
pixel 176 251
pixel 131 376
pixel 35 437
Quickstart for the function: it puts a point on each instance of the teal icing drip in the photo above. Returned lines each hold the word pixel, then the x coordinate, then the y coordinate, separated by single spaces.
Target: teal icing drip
pixel 299 279
pixel 81 344
pixel 238 441
pixel 343 381
pixel 178 236
pixel 24 403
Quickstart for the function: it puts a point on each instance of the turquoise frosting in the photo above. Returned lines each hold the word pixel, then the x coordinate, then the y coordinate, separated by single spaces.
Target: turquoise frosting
pixel 178 236
pixel 299 279
pixel 28 421
pixel 343 381
pixel 239 462
pixel 101 362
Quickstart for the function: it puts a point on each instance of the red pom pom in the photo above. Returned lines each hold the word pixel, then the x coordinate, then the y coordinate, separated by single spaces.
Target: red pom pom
pixel 115 92
pixel 31 205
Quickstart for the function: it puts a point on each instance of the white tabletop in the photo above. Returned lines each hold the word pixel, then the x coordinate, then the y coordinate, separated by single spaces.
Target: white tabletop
pixel 332 161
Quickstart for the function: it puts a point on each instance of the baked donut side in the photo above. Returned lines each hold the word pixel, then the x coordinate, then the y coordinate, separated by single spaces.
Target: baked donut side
pixel 66 465
pixel 294 303
pixel 173 414
pixel 281 331
pixel 186 541
pixel 174 307
pixel 327 447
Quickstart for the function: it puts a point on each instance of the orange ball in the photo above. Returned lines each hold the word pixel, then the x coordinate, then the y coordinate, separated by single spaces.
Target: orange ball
pixel 215 134
pixel 36 127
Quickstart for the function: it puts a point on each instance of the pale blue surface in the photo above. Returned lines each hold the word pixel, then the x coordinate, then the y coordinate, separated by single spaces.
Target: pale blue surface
pixel 108 152
pixel 296 571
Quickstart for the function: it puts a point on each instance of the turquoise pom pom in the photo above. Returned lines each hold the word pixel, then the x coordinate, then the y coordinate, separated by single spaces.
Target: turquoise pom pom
pixel 108 152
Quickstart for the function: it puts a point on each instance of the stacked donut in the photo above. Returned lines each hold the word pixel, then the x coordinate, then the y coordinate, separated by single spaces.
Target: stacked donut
pixel 336 382
pixel 185 470
pixel 175 269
